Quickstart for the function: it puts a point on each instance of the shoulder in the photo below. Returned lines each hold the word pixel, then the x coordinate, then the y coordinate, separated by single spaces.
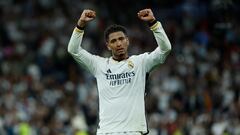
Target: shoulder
pixel 100 59
pixel 140 56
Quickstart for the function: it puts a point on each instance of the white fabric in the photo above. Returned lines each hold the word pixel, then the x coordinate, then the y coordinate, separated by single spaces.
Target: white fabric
pixel 122 133
pixel 121 85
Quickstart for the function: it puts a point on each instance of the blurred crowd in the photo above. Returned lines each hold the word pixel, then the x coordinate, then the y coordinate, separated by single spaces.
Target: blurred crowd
pixel 44 92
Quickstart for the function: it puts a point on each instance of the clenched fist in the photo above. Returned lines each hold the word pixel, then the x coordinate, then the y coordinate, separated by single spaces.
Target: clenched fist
pixel 87 15
pixel 146 15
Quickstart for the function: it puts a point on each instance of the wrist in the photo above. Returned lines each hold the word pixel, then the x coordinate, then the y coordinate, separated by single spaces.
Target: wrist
pixel 80 27
pixel 81 24
pixel 152 22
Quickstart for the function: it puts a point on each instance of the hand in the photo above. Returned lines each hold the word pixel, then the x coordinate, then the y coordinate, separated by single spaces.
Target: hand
pixel 87 15
pixel 146 15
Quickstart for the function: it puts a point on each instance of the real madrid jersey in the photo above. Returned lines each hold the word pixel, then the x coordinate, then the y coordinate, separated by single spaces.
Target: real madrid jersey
pixel 121 85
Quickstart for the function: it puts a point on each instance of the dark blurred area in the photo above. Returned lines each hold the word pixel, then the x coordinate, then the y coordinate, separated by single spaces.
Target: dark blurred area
pixel 44 92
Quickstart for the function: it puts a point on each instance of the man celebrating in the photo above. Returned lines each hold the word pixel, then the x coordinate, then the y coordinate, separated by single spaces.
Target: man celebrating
pixel 120 78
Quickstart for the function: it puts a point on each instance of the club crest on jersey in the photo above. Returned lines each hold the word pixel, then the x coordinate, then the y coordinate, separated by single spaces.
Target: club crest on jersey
pixel 130 64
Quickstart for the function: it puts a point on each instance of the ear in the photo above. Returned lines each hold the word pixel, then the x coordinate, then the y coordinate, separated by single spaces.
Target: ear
pixel 108 46
pixel 127 41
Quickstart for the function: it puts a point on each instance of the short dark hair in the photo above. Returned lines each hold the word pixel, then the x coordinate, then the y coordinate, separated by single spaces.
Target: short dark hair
pixel 114 28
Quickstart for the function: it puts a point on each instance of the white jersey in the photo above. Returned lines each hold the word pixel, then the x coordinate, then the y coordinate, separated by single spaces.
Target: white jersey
pixel 121 85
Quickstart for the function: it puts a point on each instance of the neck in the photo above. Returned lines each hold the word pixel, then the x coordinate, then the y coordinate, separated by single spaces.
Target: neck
pixel 120 57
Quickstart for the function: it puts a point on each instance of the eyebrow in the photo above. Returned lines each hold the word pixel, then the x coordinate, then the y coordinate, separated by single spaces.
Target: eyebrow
pixel 119 38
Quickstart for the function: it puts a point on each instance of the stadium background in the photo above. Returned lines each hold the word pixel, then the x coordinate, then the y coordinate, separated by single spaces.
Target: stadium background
pixel 44 92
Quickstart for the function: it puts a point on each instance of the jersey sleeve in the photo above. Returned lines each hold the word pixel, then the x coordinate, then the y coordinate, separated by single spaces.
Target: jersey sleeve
pixel 159 55
pixel 84 58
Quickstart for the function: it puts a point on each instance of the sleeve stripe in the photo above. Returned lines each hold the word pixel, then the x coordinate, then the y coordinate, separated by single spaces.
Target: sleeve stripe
pixel 155 26
pixel 78 30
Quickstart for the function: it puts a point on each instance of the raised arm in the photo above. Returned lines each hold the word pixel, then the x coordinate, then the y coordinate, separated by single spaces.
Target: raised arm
pixel 84 58
pixel 159 55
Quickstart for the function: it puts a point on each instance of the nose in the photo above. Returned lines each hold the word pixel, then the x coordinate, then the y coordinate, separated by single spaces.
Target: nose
pixel 119 43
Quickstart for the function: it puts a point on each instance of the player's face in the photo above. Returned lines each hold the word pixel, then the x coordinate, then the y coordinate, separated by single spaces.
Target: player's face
pixel 118 43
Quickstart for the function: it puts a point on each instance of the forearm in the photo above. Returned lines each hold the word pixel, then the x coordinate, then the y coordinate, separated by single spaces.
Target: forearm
pixel 74 45
pixel 161 52
pixel 161 38
pixel 84 58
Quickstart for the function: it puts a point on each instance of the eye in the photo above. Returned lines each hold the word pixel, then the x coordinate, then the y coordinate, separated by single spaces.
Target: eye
pixel 113 41
pixel 121 38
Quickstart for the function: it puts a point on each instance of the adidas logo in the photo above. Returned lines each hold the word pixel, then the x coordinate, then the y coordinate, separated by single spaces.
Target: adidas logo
pixel 109 71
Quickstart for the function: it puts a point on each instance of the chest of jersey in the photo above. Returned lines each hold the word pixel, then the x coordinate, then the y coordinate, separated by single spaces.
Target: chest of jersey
pixel 119 73
pixel 118 79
